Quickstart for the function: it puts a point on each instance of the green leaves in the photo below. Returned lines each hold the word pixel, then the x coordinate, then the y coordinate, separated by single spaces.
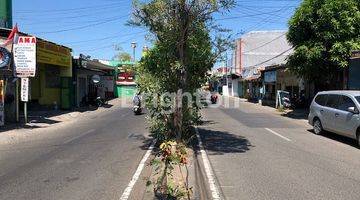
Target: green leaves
pixel 323 33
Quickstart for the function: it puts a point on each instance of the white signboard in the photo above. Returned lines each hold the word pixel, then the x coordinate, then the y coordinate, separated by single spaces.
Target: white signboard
pixel 25 89
pixel 25 57
pixel 2 89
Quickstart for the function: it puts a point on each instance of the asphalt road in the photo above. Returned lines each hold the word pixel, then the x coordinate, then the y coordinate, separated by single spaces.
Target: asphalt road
pixel 257 154
pixel 91 158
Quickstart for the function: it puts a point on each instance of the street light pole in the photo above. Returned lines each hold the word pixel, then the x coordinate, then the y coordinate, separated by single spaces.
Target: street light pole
pixel 133 46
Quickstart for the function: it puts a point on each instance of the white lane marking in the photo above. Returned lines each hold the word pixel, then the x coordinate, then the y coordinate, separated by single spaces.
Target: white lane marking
pixel 277 134
pixel 128 189
pixel 79 136
pixel 209 172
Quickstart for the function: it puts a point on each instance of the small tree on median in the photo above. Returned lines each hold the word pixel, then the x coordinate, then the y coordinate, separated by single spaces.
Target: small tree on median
pixel 172 71
pixel 183 52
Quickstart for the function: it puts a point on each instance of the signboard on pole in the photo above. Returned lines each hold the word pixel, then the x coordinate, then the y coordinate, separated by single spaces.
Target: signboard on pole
pixel 25 89
pixel 25 57
pixel 2 103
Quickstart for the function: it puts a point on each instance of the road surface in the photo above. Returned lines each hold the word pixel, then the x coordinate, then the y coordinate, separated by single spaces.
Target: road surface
pixel 257 154
pixel 91 158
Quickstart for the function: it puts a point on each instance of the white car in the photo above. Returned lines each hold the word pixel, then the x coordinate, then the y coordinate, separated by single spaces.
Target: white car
pixel 338 112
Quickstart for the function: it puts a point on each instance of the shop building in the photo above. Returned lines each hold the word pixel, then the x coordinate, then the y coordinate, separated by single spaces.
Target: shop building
pixel 84 69
pixel 279 77
pixel 52 85
pixel 125 78
pixel 354 71
pixel 253 52
pixel 51 88
pixel 8 84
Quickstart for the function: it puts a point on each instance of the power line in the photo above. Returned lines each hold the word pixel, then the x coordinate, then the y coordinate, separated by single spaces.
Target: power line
pixel 61 18
pixel 105 38
pixel 251 15
pixel 108 46
pixel 272 58
pixel 74 22
pixel 69 9
pixel 265 43
pixel 83 27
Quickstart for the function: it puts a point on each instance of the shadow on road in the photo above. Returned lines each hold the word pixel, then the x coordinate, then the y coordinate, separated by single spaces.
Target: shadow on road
pixel 219 142
pixel 339 138
pixel 297 114
pixel 41 117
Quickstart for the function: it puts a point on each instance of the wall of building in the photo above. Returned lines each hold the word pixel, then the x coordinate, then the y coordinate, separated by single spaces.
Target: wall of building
pixel 354 74
pixel 44 90
pixel 285 80
pixel 6 13
pixel 235 87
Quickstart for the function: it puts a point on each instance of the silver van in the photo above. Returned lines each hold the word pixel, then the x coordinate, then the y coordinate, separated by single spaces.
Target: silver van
pixel 338 112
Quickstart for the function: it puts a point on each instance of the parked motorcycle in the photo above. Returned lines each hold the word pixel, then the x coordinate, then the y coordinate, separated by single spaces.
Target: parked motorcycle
pixel 286 102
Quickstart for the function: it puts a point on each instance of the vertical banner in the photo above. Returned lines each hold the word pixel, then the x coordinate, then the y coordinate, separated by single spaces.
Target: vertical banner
pixel 25 89
pixel 2 103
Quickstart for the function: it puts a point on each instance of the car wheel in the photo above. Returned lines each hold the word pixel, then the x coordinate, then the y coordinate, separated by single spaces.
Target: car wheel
pixel 358 138
pixel 318 129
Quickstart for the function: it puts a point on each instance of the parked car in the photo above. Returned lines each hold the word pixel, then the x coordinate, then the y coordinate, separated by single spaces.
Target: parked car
pixel 338 112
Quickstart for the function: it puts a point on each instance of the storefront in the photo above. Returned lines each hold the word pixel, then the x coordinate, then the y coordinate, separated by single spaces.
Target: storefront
pixel 125 78
pixel 52 86
pixel 84 70
pixel 354 71
pixel 8 84
pixel 251 83
pixel 276 78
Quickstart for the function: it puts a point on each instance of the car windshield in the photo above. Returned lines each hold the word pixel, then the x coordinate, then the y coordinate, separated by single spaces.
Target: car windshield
pixel 357 99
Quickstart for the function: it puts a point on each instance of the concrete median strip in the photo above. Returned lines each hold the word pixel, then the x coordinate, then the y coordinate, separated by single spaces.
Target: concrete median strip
pixel 215 194
pixel 128 189
pixel 277 134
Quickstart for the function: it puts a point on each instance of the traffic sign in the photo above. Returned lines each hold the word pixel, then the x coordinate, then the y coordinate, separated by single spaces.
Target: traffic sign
pixel 25 57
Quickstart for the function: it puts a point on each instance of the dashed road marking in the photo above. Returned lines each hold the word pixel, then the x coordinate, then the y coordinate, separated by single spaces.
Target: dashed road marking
pixel 277 134
pixel 208 170
pixel 128 189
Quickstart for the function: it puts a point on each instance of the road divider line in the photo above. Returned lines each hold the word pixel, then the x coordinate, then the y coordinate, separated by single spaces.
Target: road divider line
pixel 130 186
pixel 208 170
pixel 277 134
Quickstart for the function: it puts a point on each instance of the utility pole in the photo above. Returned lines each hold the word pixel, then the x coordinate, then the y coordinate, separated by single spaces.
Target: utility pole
pixel 133 46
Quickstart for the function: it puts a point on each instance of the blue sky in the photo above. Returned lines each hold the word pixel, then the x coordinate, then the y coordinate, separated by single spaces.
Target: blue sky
pixel 98 27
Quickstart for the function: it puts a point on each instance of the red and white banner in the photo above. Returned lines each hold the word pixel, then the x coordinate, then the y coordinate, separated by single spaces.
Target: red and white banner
pixel 12 37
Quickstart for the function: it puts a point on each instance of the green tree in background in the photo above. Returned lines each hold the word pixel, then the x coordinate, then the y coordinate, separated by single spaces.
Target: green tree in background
pixel 123 56
pixel 323 34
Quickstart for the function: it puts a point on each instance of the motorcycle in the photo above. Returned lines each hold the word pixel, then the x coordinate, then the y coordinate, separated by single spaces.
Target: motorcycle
pixel 286 102
pixel 214 98
pixel 137 110
pixel 137 105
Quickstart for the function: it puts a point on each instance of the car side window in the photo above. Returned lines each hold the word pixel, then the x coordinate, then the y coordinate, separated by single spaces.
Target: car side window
pixel 333 101
pixel 321 99
pixel 345 102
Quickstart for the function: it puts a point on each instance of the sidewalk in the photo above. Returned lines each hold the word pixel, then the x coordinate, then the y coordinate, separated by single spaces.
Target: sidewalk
pixel 46 123
pixel 46 118
pixel 299 114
